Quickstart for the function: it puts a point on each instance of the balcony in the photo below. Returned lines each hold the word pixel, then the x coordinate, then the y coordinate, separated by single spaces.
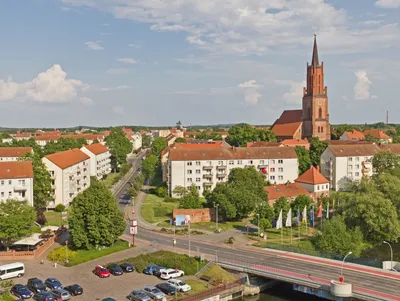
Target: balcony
pixel 208 167
pixel 208 176
pixel 222 175
pixel 208 184
pixel 221 167
pixel 262 166
pixel 20 187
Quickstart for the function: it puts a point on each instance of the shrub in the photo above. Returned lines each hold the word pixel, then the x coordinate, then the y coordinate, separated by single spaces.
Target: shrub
pixel 6 297
pixel 171 200
pixel 161 211
pixel 162 192
pixel 124 169
pixel 230 240
pixel 60 208
pixel 60 254
pixel 40 217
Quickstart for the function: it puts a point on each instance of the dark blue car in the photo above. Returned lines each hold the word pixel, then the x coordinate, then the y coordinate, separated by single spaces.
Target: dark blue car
pixel 152 269
pixel 21 291
pixel 53 283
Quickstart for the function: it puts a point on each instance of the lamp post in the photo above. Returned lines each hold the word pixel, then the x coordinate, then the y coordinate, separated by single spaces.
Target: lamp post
pixel 258 217
pixel 391 254
pixel 341 269
pixel 216 216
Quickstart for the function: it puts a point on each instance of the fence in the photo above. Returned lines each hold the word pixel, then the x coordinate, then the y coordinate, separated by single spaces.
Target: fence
pixel 213 292
pixel 27 255
pixel 352 259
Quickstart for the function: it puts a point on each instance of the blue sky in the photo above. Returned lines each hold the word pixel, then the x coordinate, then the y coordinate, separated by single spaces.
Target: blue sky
pixel 154 62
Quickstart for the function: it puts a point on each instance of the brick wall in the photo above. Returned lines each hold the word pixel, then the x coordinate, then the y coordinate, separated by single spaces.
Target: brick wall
pixel 196 215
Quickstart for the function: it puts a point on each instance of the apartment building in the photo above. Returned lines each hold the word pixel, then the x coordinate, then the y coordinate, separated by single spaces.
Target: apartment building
pixel 344 164
pixel 70 174
pixel 16 181
pixel 207 167
pixel 136 140
pixel 8 154
pixel 100 159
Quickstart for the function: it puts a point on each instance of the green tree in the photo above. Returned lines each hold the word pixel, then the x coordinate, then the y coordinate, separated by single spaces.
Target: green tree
pixel 191 199
pixel 303 156
pixel 158 145
pixel 94 218
pixel 149 167
pixel 146 141
pixel 28 143
pixel 335 237
pixel 132 192
pixel 119 146
pixel 265 213
pixel 385 162
pixel 300 202
pixel 180 140
pixel 338 131
pixel 16 221
pixel 371 138
pixel 317 147
pixel 389 186
pixel 240 134
pixel 222 196
pixel 266 135
pixel 281 204
pixel 180 191
pixel 42 191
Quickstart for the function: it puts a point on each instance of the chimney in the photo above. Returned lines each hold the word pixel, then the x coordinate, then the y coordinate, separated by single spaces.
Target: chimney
pixel 318 168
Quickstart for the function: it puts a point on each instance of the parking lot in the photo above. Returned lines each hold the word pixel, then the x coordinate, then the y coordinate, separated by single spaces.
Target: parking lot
pixel 94 288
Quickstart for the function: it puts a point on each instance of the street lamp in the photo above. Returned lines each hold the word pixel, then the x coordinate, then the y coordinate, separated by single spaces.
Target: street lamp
pixel 391 254
pixel 216 215
pixel 258 217
pixel 341 269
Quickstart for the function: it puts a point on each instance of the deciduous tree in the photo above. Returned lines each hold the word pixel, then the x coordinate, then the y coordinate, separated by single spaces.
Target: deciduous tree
pixel 300 202
pixel 146 141
pixel 120 147
pixel 149 167
pixel 317 147
pixel 385 162
pixel 158 145
pixel 242 133
pixel 303 156
pixel 281 204
pixel 191 199
pixel 180 140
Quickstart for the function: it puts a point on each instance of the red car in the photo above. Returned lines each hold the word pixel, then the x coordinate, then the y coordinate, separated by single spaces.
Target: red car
pixel 101 271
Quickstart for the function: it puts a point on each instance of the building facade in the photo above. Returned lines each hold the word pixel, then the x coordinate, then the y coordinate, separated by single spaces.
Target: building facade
pixel 207 167
pixel 70 175
pixel 136 141
pixel 8 154
pixel 16 181
pixel 289 190
pixel 314 182
pixel 100 159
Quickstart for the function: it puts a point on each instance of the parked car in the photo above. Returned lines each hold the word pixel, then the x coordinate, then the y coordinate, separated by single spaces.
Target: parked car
pixel 153 292
pixel 44 296
pixel 127 267
pixel 166 288
pixel 115 269
pixel 151 269
pixel 180 285
pixel 108 299
pixel 101 271
pixel 171 273
pixel 36 285
pixel 74 289
pixel 21 291
pixel 52 283
pixel 157 271
pixel 138 295
pixel 62 294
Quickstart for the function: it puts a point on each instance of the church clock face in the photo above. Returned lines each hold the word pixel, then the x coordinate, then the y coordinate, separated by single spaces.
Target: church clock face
pixel 319 103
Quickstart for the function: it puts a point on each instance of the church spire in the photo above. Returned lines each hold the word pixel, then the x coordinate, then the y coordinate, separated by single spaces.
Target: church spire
pixel 315 60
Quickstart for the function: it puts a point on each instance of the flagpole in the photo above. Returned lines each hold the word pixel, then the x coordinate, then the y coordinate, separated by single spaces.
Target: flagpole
pixel 291 235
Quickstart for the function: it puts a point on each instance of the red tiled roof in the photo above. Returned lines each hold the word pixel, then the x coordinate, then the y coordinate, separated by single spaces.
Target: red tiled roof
pixel 354 150
pixel 392 147
pixel 179 154
pixel 294 142
pixel 263 144
pixel 47 138
pixel 14 152
pixel 312 176
pixel 348 142
pixel 198 145
pixel 377 134
pixel 355 135
pixel 285 190
pixel 287 129
pixel 68 158
pixel 16 170
pixel 289 116
pixel 208 133
pixel 23 134
pixel 97 148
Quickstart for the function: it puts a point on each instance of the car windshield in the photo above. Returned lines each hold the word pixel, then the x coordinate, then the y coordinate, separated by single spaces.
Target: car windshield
pixel 154 290
pixel 181 283
pixel 103 270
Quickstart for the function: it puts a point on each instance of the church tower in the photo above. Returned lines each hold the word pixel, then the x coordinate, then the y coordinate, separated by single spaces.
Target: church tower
pixel 315 116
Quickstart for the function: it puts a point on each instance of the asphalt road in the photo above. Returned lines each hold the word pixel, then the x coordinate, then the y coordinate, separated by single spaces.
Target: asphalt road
pixel 357 278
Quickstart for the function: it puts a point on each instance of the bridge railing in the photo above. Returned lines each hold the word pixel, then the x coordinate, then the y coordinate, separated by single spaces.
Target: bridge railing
pixel 213 292
pixel 329 255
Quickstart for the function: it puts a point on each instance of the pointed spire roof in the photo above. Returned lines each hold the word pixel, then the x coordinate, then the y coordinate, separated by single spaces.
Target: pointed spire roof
pixel 312 176
pixel 315 60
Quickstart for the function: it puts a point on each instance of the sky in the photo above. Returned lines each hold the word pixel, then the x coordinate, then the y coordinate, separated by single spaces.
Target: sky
pixel 153 62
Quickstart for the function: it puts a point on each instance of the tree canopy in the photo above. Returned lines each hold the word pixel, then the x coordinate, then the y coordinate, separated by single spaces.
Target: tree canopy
pixel 303 156
pixel 191 199
pixel 317 147
pixel 94 218
pixel 385 162
pixel 242 133
pixel 146 141
pixel 180 140
pixel 158 145
pixel 62 144
pixel 119 146
pixel 149 167
pixel 16 220
pixel 300 202
pixel 281 204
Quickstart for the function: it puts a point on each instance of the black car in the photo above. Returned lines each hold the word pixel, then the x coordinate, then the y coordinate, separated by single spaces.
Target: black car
pixel 36 285
pixel 74 289
pixel 127 267
pixel 53 283
pixel 44 296
pixel 21 291
pixel 115 269
pixel 166 288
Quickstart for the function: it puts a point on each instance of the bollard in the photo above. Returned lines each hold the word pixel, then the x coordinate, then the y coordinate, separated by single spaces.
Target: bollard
pixel 55 264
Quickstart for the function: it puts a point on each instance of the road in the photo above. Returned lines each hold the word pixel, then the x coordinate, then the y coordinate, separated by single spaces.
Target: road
pixel 359 277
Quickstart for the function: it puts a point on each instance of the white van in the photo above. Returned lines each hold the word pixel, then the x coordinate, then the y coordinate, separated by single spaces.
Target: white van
pixel 12 270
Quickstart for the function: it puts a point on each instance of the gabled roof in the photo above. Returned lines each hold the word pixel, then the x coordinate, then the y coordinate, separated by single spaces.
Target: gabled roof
pixel 14 152
pixel 295 142
pixel 312 176
pixel 354 150
pixel 287 129
pixel 263 144
pixel 97 148
pixel 289 190
pixel 355 135
pixel 16 170
pixel 392 147
pixel 67 158
pixel 289 116
pixel 377 134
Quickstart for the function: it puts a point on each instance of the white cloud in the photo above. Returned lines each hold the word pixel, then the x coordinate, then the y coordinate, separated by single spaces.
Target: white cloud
pixel 94 45
pixel 86 101
pixel 362 86
pixel 134 45
pixel 388 3
pixel 51 86
pixel 122 87
pixel 118 110
pixel 127 60
pixel 117 71
pixel 251 92
pixel 162 27
pixel 295 94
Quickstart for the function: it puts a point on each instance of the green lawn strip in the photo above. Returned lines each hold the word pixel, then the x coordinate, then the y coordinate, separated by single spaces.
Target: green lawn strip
pixel 211 226
pixel 111 179
pixel 155 210
pixel 216 274
pixel 88 255
pixel 7 297
pixel 54 218
pixel 197 287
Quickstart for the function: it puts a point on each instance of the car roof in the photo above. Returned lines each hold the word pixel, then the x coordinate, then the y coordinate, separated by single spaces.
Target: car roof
pixel 100 266
pixel 61 290
pixel 52 279
pixel 169 270
pixel 149 286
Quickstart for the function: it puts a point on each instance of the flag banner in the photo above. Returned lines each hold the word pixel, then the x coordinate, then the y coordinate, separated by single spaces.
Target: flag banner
pixel 327 210
pixel 304 220
pixel 319 213
pixel 289 218
pixel 312 216
pixel 279 221
pixel 298 217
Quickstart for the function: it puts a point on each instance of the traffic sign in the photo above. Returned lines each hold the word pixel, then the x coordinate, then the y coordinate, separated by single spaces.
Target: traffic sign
pixel 133 230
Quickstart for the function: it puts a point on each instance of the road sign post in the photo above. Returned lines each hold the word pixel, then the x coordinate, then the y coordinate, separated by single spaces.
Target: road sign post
pixel 133 230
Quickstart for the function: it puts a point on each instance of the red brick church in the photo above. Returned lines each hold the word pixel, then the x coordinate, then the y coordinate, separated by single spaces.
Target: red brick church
pixel 313 119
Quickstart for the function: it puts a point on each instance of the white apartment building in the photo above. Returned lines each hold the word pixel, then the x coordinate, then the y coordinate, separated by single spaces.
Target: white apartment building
pixel 70 175
pixel 136 141
pixel 161 133
pixel 100 159
pixel 8 154
pixel 207 167
pixel 16 181
pixel 344 164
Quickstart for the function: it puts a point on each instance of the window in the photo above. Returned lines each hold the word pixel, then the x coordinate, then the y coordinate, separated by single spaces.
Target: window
pixel 272 161
pixel 319 131
pixel 350 167
pixel 9 194
pixel 198 188
pixel 239 162
pixel 2 182
pixel 2 194
pixel 317 187
pixel 357 174
pixel 189 180
pixel 280 161
pixel 231 162
pixel 220 179
pixel 357 159
pixel 198 180
pixel 320 113
pixel 322 129
pixel 280 169
pixel 198 163
pixel 280 177
pixel 272 169
pixel 261 162
pixel 326 187
pixel 198 171
pixel 350 174
pixel 9 182
pixel 272 177
pixel 220 162
pixel 357 166
pixel 189 172
pixel 350 159
pixel 250 161
pixel 189 163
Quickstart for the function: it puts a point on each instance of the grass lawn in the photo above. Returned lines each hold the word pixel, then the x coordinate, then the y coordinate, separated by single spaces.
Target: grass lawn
pixel 211 226
pixel 88 255
pixel 155 210
pixel 197 287
pixel 217 274
pixel 54 218
pixel 111 179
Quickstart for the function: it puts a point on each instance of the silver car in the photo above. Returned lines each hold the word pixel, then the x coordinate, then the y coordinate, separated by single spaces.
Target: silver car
pixel 154 292
pixel 62 294
pixel 138 295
